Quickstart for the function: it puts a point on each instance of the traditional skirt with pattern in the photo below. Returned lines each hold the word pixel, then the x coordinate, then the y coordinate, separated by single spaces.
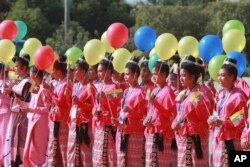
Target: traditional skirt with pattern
pixel 220 155
pixel 104 152
pixel 183 152
pixel 15 137
pixel 57 149
pixel 4 121
pixel 134 153
pixel 84 159
pixel 157 158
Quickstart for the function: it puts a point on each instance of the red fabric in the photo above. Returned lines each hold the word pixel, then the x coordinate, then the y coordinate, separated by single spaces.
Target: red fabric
pixel 163 112
pixel 246 131
pixel 62 102
pixel 195 115
pixel 243 85
pixel 134 152
pixel 165 158
pixel 235 102
pixel 135 100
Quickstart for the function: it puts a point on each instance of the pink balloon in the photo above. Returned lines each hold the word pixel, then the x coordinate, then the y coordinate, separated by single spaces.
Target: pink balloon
pixel 44 57
pixel 8 29
pixel 117 35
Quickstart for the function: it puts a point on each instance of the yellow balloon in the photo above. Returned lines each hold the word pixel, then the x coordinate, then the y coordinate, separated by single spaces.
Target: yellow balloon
pixel 7 50
pixel 30 46
pixel 50 69
pixel 166 45
pixel 106 44
pixel 137 53
pixel 233 40
pixel 94 51
pixel 121 57
pixel 11 64
pixel 12 75
pixel 152 52
pixel 188 45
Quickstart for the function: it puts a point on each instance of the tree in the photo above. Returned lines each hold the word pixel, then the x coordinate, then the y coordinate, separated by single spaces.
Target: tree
pixel 38 25
pixel 76 36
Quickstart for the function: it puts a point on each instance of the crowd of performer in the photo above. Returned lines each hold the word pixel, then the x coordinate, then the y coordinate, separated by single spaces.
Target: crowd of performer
pixel 167 116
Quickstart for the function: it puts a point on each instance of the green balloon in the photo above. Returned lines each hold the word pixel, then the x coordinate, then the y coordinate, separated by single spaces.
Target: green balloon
pixel 233 24
pixel 215 65
pixel 152 61
pixel 73 54
pixel 22 29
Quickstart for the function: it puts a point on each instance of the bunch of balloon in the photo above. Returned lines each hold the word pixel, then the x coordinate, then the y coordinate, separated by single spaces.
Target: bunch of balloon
pixel 94 51
pixel 30 46
pixel 73 54
pixel 44 57
pixel 121 57
pixel 166 46
pixel 188 45
pixel 117 35
pixel 215 65
pixel 210 46
pixel 144 38
pixel 8 29
pixel 233 36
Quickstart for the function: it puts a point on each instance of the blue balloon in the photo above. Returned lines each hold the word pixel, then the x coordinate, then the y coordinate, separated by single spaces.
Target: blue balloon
pixel 241 61
pixel 145 38
pixel 210 46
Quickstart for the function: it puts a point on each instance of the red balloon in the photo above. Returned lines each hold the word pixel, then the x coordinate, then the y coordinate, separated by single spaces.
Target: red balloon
pixel 117 35
pixel 44 57
pixel 8 29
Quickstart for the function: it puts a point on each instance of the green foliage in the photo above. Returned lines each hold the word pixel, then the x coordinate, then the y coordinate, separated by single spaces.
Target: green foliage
pixel 76 36
pixel 38 25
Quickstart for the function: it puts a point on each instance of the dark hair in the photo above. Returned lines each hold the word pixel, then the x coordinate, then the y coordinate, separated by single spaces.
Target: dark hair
pixel 201 69
pixel 82 64
pixel 24 60
pixel 231 68
pixel 1 66
pixel 133 65
pixel 162 66
pixel 39 73
pixel 176 58
pixel 107 63
pixel 60 64
pixel 144 63
pixel 189 65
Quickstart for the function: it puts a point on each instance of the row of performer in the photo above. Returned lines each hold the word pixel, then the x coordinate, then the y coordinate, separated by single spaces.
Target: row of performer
pixel 166 116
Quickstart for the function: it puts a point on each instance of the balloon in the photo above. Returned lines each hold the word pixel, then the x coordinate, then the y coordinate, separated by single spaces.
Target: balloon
pixel 166 45
pixel 117 35
pixel 7 50
pixel 233 24
pixel 121 57
pixel 12 75
pixel 137 53
pixel 233 40
pixel 210 46
pixel 50 69
pixel 188 45
pixel 8 29
pixel 21 53
pixel 44 57
pixel 73 54
pixel 145 38
pixel 215 65
pixel 152 52
pixel 152 60
pixel 106 44
pixel 241 61
pixel 94 51
pixel 22 29
pixel 30 46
